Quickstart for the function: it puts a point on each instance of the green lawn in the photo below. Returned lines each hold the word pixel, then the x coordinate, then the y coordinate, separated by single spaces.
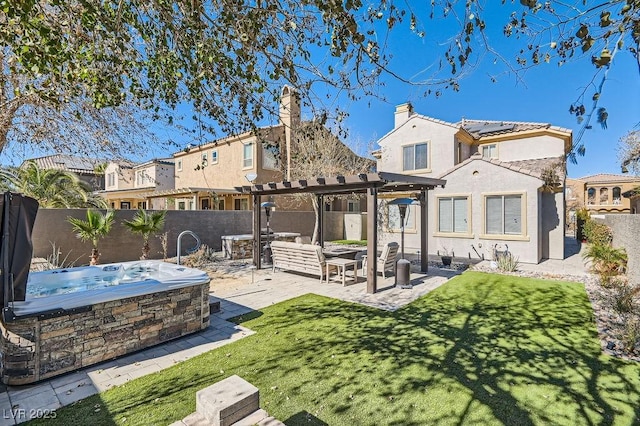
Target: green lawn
pixel 482 349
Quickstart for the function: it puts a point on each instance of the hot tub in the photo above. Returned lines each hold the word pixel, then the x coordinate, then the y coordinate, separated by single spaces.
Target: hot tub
pixel 76 317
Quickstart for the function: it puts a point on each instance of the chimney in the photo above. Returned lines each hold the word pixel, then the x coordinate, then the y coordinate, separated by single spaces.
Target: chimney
pixel 290 118
pixel 403 113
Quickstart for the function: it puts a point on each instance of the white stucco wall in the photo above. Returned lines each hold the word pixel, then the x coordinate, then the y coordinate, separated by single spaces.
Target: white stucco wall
pixel 545 146
pixel 442 149
pixel 476 178
pixel 124 177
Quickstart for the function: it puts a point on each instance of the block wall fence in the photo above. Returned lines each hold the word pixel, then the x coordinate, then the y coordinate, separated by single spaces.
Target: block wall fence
pixel 120 245
pixel 626 229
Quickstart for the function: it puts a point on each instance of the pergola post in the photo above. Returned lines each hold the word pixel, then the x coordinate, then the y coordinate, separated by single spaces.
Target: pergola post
pixel 424 231
pixel 320 201
pixel 372 240
pixel 256 232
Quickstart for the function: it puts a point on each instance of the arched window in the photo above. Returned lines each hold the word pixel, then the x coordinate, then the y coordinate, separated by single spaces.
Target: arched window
pixel 604 195
pixel 617 198
pixel 591 196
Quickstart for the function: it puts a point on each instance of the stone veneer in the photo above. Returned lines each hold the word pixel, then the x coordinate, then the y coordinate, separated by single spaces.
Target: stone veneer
pixel 38 347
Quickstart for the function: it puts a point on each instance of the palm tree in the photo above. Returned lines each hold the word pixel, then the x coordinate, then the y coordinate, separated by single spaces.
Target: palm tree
pixel 95 227
pixel 145 224
pixel 54 188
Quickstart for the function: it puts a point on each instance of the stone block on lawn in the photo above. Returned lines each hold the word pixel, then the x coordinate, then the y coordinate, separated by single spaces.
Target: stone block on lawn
pixel 227 401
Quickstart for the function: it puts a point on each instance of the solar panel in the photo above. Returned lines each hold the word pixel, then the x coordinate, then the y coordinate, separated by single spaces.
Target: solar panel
pixel 491 128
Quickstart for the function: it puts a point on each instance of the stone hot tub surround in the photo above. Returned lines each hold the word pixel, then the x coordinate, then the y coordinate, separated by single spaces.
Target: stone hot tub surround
pixel 54 335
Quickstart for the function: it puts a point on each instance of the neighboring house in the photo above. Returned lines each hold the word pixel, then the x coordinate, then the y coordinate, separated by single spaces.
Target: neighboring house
pixel 504 187
pixel 206 175
pixel 602 193
pixel 126 184
pixel 633 195
pixel 89 170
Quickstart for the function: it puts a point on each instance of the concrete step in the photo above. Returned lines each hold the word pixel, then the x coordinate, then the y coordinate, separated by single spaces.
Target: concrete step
pixel 214 305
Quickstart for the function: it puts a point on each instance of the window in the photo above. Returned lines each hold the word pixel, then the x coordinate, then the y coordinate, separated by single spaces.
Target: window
pixel 204 204
pixel 604 195
pixel 503 215
pixel 179 165
pixel 142 178
pixel 591 196
pixel 270 156
pixel 181 205
pixel 214 156
pixel 241 204
pixel 205 160
pixel 453 214
pixel 221 204
pixel 247 155
pixel 393 218
pixel 142 205
pixel 616 195
pixel 125 205
pixel 191 205
pixel 489 151
pixel 353 205
pixel 111 179
pixel 415 157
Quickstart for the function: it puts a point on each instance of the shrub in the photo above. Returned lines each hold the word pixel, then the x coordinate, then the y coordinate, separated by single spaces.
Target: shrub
pixel 507 263
pixel 631 333
pixel 623 297
pixel 606 261
pixel 596 233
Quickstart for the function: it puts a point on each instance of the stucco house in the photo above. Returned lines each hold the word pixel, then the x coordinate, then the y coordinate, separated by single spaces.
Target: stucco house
pixel 126 184
pixel 602 193
pixel 88 170
pixel 505 184
pixel 206 175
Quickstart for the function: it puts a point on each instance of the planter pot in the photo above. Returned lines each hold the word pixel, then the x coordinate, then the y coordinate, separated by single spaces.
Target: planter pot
pixel 446 260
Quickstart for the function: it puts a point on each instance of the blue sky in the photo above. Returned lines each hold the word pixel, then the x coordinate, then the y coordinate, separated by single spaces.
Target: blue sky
pixel 544 96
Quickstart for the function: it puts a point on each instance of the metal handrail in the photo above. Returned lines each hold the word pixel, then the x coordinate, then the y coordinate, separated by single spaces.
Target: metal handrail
pixel 191 250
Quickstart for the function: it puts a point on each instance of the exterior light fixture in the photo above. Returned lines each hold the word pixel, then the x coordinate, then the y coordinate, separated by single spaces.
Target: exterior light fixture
pixel 266 253
pixel 403 266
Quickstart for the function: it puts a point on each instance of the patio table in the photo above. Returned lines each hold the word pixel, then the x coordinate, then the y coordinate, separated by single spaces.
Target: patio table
pixel 341 265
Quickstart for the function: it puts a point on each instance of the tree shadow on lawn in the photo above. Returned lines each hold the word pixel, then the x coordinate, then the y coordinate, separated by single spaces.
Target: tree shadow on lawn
pixel 481 349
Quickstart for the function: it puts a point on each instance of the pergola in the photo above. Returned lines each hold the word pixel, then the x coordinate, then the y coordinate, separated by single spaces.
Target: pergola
pixel 370 183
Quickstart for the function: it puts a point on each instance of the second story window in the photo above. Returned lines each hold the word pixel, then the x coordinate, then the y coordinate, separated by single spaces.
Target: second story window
pixel 179 165
pixel 415 157
pixel 270 156
pixel 214 156
pixel 353 205
pixel 247 155
pixel 489 151
pixel 205 160
pixel 111 179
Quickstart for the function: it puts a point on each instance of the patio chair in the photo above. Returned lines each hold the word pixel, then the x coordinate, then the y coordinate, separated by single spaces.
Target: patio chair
pixel 303 240
pixel 386 261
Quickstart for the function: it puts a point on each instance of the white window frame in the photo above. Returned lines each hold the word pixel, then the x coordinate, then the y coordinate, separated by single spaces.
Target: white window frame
pixel 414 145
pixel 214 156
pixel 111 179
pixel 179 165
pixel 247 162
pixel 454 234
pixel 523 235
pixel 492 148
